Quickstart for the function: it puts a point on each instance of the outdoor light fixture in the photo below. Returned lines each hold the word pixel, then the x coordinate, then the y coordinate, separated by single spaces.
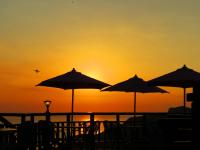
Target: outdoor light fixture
pixel 47 104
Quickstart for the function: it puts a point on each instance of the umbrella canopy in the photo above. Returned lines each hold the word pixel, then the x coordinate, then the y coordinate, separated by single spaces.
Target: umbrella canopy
pixel 73 80
pixel 135 85
pixel 183 77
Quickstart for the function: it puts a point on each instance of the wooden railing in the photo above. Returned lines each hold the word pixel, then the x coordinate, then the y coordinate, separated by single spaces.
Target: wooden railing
pixel 68 133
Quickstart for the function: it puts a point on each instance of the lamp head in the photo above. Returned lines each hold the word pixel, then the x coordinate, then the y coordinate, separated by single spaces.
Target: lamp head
pixel 47 103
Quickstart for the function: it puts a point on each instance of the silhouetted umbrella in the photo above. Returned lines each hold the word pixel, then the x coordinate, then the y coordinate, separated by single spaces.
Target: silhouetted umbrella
pixel 183 77
pixel 135 85
pixel 73 80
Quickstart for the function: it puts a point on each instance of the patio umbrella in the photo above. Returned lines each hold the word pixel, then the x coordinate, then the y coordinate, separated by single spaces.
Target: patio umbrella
pixel 135 85
pixel 183 77
pixel 73 80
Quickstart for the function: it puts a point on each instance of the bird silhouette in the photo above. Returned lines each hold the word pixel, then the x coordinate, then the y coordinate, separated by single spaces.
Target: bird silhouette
pixel 36 71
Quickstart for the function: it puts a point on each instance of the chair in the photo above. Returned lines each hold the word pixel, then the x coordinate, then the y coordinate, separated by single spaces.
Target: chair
pixel 46 138
pixel 112 135
pixel 89 133
pixel 26 135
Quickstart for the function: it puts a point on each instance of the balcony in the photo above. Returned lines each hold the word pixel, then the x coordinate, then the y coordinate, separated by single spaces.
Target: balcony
pixel 94 131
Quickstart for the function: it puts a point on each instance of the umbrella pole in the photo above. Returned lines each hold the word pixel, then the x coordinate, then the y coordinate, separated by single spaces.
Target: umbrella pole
pixel 72 104
pixel 134 108
pixel 184 102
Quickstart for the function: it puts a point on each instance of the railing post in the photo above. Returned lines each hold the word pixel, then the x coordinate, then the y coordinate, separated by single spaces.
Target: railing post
pixel 69 136
pixel 92 137
pixel 63 131
pixel 48 116
pixel 32 118
pixel 118 118
pixel 23 118
pixel 144 124
pixel 118 130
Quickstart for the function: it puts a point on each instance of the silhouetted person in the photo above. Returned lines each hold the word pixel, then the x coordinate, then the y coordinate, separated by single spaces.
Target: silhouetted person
pixel 26 136
pixel 196 101
pixel 196 108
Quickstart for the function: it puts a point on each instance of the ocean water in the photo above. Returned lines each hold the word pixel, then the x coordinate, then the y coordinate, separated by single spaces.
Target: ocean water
pixel 77 118
pixel 17 119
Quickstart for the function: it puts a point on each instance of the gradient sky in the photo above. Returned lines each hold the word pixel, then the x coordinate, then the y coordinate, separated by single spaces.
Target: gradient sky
pixel 110 40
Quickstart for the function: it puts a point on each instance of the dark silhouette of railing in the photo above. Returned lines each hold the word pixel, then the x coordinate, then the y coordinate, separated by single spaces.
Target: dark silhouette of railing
pixel 85 134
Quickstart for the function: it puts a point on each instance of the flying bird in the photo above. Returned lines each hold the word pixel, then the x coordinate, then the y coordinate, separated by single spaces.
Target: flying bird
pixel 36 71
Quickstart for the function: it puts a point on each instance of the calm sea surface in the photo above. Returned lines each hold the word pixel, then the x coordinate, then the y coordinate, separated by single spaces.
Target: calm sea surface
pixel 17 120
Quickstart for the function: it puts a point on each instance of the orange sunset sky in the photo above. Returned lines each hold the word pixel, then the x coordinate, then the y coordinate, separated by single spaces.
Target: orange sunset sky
pixel 110 40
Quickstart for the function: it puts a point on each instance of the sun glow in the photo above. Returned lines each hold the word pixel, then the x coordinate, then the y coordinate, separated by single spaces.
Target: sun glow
pixel 94 74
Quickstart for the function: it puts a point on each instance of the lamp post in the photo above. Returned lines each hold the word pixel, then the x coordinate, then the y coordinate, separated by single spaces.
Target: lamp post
pixel 47 103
